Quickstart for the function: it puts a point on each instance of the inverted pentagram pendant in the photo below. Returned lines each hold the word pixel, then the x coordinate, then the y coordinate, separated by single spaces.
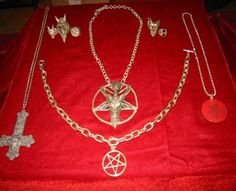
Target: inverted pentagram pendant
pixel 115 104
pixel 114 163
pixel 214 110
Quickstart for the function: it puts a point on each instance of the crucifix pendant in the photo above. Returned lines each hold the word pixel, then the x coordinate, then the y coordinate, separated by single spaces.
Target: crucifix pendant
pixel 115 104
pixel 17 139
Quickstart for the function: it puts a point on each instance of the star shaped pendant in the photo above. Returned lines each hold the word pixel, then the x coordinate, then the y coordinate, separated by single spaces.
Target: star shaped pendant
pixel 115 104
pixel 114 163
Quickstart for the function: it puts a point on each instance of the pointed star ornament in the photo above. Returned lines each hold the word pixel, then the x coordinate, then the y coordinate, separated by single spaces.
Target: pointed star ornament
pixel 114 163
pixel 115 103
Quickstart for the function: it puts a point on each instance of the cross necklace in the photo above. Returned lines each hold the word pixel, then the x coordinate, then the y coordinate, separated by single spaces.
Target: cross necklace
pixel 17 139
pixel 213 110
pixel 120 102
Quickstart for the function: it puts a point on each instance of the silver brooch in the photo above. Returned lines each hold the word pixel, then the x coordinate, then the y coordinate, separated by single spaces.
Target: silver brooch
pixel 63 28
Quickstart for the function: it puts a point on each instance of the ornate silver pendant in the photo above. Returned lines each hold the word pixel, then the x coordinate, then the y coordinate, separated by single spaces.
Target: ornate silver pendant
pixel 63 28
pixel 114 163
pixel 17 139
pixel 115 104
pixel 154 28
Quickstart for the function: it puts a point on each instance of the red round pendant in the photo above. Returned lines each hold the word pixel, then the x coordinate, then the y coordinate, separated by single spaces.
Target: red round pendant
pixel 214 111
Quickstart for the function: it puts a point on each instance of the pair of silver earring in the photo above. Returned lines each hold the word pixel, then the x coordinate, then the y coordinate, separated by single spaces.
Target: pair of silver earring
pixel 154 28
pixel 63 28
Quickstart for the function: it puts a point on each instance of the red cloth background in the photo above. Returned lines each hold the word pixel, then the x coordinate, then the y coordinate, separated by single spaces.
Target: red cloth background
pixel 7 50
pixel 225 25
pixel 170 157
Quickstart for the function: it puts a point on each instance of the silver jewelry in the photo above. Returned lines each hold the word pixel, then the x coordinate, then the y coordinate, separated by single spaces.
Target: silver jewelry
pixel 162 32
pixel 213 110
pixel 115 92
pixel 63 28
pixel 114 162
pixel 17 139
pixel 115 103
pixel 154 28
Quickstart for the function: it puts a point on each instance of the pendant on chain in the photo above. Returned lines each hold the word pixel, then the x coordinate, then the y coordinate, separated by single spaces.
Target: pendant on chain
pixel 17 139
pixel 119 100
pixel 214 110
pixel 114 163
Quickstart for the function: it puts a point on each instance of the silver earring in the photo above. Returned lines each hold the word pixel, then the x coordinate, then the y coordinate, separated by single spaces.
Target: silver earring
pixel 63 28
pixel 162 32
pixel 154 28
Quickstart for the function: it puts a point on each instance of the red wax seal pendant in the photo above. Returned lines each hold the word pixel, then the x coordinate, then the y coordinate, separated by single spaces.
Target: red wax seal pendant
pixel 214 111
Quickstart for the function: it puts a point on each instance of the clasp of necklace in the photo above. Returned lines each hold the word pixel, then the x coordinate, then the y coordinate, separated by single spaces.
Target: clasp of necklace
pixel 211 96
pixel 188 52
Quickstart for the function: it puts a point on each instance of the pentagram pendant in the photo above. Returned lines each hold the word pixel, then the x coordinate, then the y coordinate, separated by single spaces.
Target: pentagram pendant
pixel 214 110
pixel 114 163
pixel 115 104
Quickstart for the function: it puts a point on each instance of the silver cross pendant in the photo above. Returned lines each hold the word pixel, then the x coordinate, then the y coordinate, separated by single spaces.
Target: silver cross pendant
pixel 17 139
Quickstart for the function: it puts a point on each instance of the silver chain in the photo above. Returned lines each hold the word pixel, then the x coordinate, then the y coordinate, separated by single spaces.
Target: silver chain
pixel 211 95
pixel 113 141
pixel 129 66
pixel 34 61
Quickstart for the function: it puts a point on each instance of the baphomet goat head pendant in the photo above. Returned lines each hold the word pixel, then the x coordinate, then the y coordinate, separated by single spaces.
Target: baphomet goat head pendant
pixel 115 104
pixel 154 28
pixel 63 28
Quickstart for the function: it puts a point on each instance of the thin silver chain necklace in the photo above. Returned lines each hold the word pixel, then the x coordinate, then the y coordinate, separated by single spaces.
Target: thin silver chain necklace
pixel 17 139
pixel 115 93
pixel 213 110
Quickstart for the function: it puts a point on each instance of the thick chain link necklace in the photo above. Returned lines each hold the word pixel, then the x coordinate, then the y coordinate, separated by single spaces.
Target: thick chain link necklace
pixel 114 162
pixel 213 110
pixel 115 93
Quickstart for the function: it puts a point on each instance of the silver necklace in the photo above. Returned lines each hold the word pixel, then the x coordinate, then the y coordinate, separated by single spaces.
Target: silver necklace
pixel 17 139
pixel 114 162
pixel 115 93
pixel 213 110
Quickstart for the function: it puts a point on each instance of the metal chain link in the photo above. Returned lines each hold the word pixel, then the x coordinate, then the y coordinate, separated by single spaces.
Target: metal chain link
pixel 91 41
pixel 113 141
pixel 211 95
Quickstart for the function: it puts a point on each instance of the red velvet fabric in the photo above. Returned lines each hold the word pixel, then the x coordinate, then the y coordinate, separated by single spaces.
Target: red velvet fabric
pixel 7 47
pixel 189 183
pixel 183 144
pixel 225 25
